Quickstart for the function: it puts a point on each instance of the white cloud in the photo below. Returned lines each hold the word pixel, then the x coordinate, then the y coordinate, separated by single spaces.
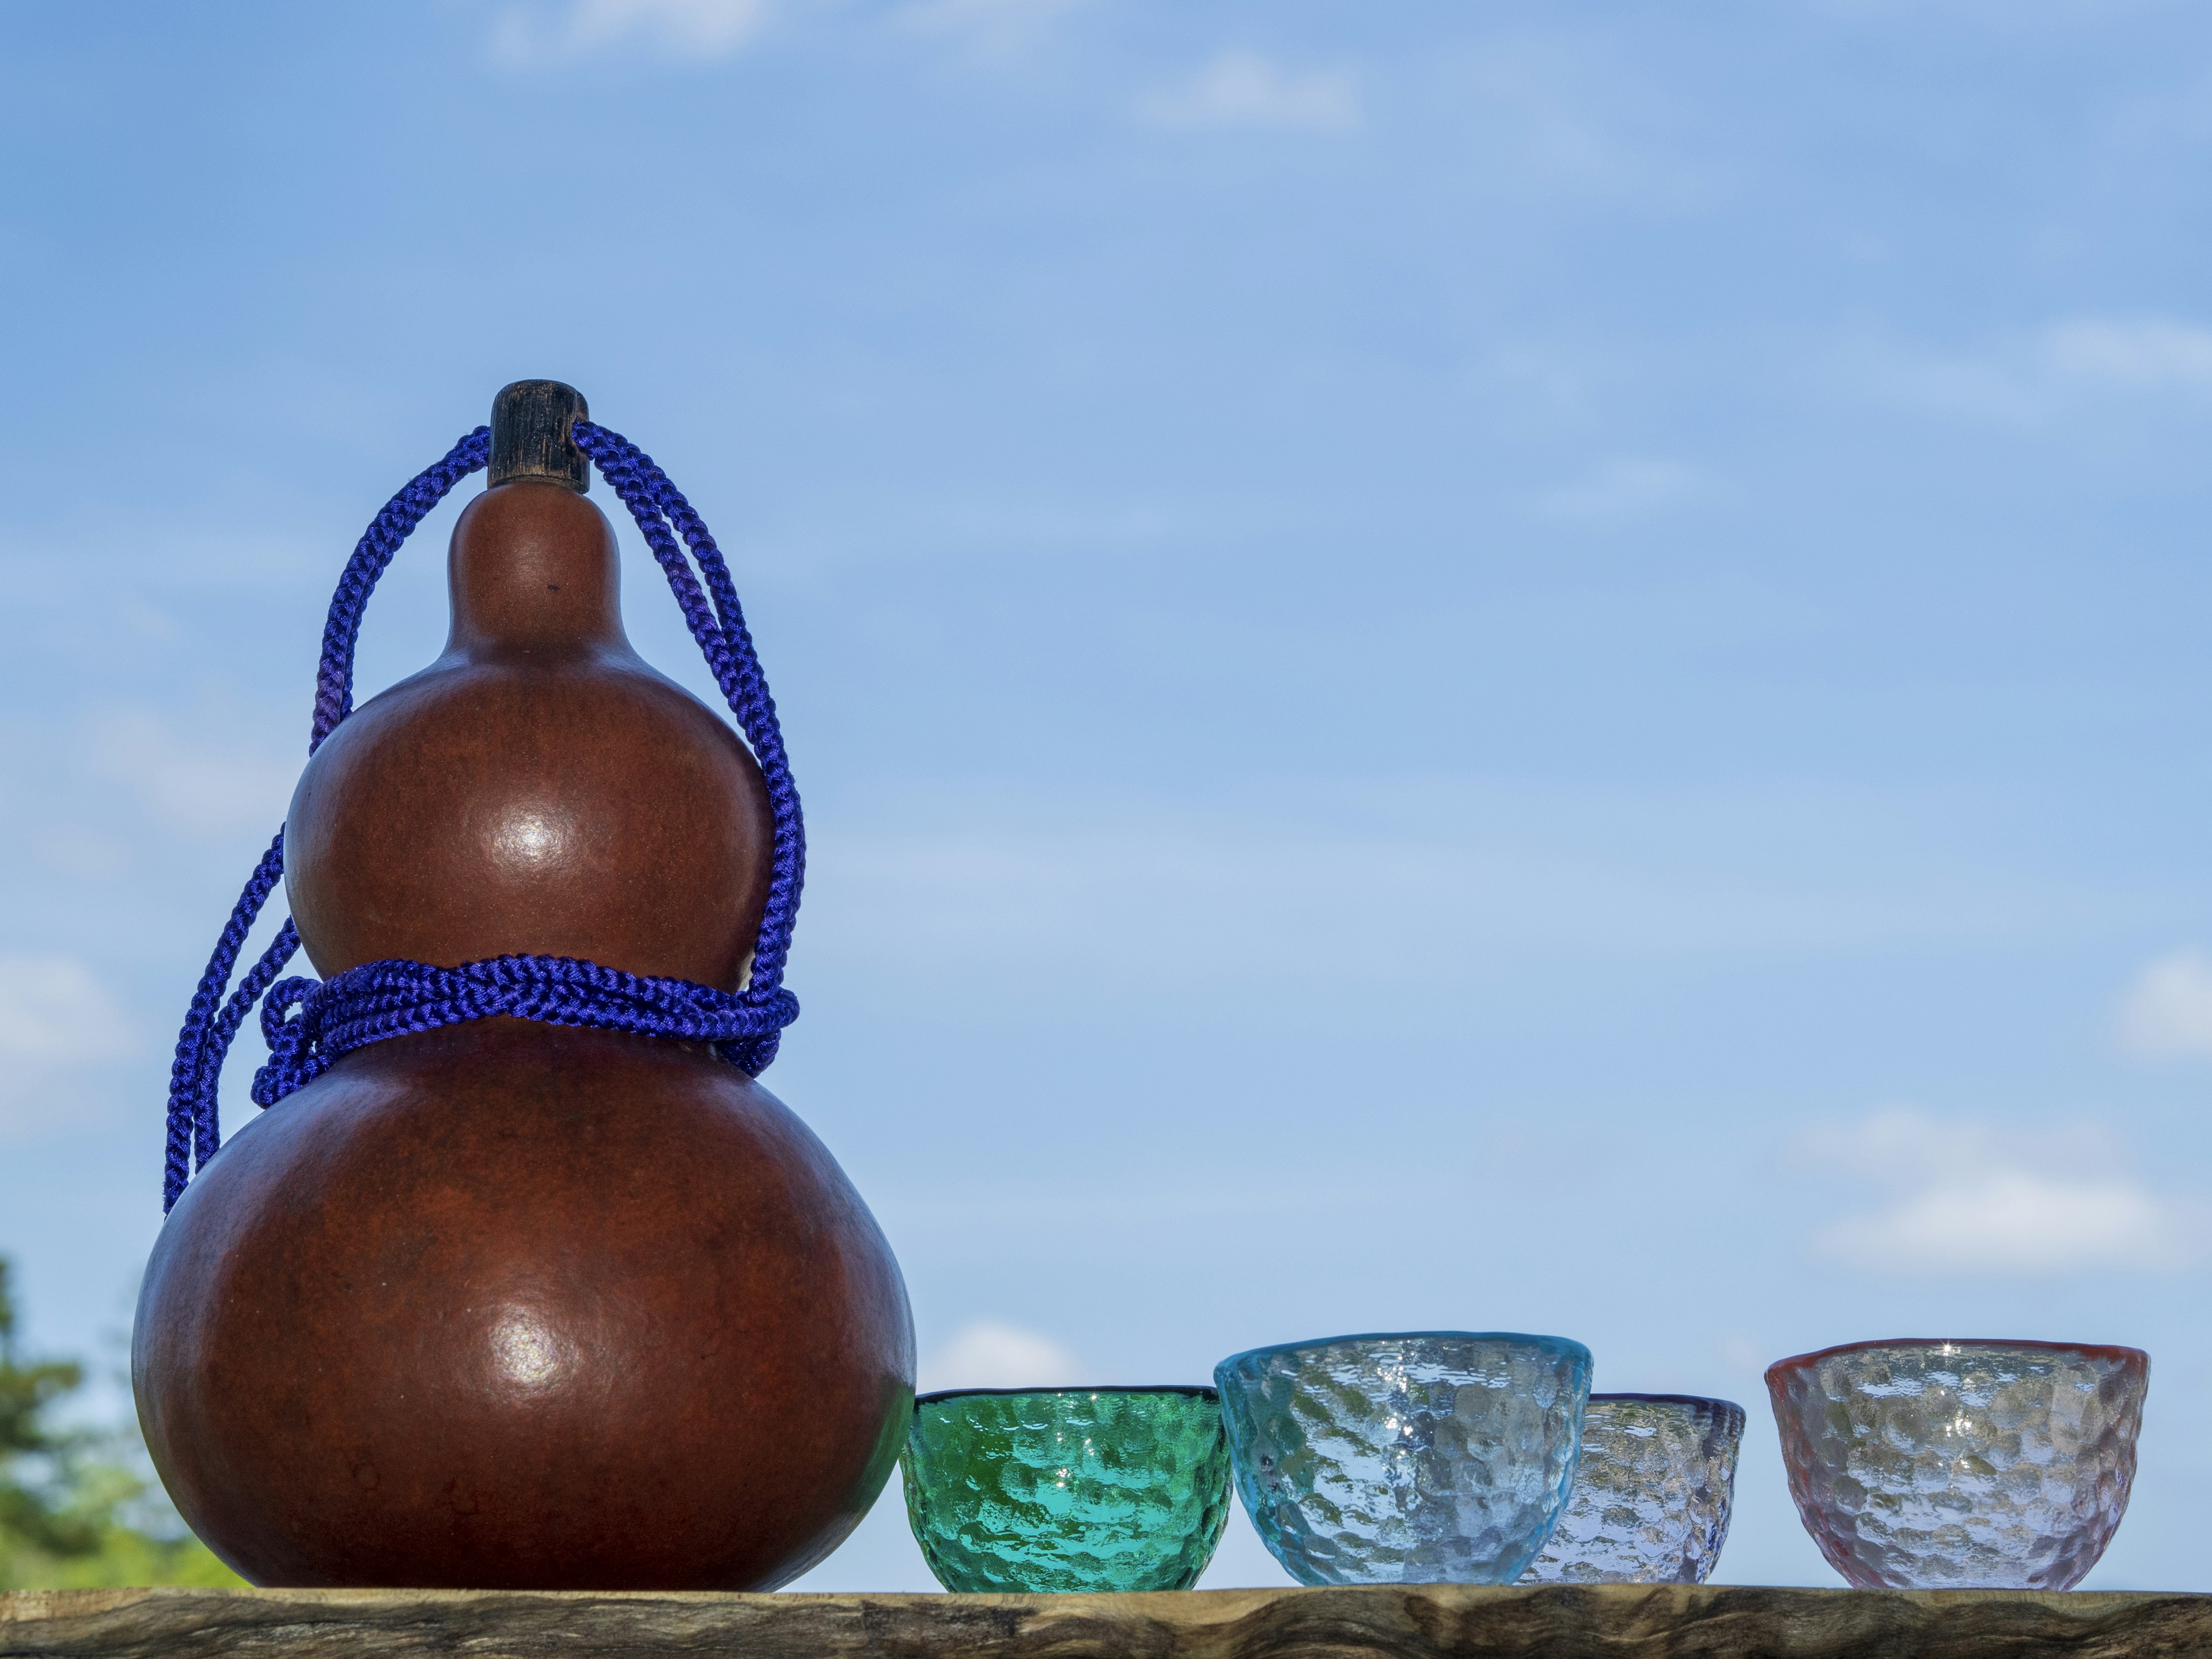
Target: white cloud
pixel 990 28
pixel 1972 1198
pixel 84 854
pixel 1998 387
pixel 1242 89
pixel 2031 379
pixel 1623 489
pixel 188 784
pixel 1461 884
pixel 989 1354
pixel 2147 352
pixel 52 1008
pixel 1898 1145
pixel 527 37
pixel 56 1019
pixel 2016 1222
pixel 1552 121
pixel 2169 1009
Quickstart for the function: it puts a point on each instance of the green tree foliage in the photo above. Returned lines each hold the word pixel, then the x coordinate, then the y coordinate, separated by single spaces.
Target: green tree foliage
pixel 79 1508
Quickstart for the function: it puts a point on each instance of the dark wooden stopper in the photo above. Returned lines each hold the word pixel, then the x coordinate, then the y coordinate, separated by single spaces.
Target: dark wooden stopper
pixel 532 435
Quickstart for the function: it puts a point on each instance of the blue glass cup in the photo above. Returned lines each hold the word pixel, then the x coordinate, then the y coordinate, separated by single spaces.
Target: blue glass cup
pixel 1415 1458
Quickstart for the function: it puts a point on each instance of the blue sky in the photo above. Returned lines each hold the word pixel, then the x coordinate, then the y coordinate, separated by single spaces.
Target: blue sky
pixel 1521 667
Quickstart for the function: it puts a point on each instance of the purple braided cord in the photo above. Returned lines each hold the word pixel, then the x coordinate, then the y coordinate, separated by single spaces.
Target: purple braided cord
pixel 728 645
pixel 195 1133
pixel 391 998
pixel 382 1000
pixel 334 680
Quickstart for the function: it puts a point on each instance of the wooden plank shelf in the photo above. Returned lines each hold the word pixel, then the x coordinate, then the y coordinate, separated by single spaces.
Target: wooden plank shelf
pixel 1429 1621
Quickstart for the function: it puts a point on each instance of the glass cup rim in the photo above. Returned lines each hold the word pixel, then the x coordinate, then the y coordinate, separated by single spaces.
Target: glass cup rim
pixel 2134 1359
pixel 1668 1399
pixel 1201 1390
pixel 1556 1345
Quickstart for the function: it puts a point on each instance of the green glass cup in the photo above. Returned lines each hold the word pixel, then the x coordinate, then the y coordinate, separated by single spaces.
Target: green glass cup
pixel 1067 1489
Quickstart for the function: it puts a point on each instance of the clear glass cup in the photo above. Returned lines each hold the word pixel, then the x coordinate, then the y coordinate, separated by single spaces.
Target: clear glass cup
pixel 1419 1458
pixel 1960 1464
pixel 1652 1490
pixel 1066 1489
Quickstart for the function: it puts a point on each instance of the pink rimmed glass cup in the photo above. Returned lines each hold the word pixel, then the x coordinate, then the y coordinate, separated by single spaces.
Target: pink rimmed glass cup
pixel 1958 1464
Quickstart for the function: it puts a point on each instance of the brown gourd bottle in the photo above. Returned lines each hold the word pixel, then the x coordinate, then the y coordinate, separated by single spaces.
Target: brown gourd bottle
pixel 508 1303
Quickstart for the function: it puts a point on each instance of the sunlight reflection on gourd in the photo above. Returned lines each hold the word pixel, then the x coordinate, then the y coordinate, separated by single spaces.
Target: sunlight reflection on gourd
pixel 528 1352
pixel 528 836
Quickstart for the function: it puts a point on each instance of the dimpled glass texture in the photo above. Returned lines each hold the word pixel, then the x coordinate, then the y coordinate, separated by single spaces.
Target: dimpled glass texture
pixel 1067 1489
pixel 1430 1457
pixel 1650 1499
pixel 1933 1465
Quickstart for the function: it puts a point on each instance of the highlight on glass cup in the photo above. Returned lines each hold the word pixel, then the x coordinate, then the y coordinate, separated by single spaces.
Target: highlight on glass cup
pixel 1961 1464
pixel 1415 1457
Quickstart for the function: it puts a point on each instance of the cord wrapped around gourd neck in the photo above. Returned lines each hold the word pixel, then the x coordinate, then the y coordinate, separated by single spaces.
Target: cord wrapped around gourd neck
pixel 309 1023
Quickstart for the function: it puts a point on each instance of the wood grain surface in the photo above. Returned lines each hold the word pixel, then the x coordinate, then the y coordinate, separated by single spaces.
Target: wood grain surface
pixel 1387 1622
